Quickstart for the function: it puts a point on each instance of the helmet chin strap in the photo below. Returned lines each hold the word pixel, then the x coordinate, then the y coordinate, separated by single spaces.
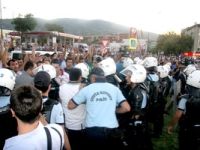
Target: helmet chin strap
pixel 4 91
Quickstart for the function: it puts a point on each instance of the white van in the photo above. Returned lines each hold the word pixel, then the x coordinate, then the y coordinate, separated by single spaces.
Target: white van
pixel 20 55
pixel 81 46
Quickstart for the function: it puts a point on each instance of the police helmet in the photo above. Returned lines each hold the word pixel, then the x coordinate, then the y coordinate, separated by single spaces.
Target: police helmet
pixel 194 79
pixel 189 69
pixel 127 61
pixel 168 66
pixel 137 60
pixel 7 78
pixel 150 62
pixel 84 69
pixel 163 71
pixel 47 68
pixel 137 72
pixel 108 66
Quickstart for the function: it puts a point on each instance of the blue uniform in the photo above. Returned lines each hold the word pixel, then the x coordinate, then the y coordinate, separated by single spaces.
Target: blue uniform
pixel 101 100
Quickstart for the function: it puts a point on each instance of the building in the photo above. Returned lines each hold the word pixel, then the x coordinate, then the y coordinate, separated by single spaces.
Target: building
pixel 51 39
pixel 194 32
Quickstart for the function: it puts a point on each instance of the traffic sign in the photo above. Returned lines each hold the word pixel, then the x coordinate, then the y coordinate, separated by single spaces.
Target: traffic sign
pixel 104 42
pixel 132 43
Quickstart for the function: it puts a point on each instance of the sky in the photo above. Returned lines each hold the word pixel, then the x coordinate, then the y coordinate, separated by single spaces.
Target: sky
pixel 157 16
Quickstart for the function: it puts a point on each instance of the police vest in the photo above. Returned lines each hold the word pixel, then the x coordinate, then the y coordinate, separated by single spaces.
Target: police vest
pixel 47 108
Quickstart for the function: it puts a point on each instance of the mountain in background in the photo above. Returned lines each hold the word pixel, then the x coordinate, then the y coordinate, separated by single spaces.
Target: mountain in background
pixel 85 27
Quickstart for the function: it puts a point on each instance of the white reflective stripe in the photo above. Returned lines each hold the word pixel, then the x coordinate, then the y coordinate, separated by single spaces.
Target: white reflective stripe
pixel 144 101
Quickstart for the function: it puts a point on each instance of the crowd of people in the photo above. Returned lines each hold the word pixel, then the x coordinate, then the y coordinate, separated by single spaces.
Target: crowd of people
pixel 82 100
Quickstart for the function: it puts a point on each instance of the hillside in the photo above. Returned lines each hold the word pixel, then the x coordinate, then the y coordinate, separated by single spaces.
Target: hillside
pixel 84 27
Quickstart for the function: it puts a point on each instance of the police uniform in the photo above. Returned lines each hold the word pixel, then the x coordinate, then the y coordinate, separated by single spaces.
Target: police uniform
pixel 189 133
pixel 137 135
pixel 101 100
pixel 8 124
pixel 156 104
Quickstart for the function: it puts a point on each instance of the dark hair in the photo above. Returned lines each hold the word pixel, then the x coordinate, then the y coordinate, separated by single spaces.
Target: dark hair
pixel 97 71
pixel 53 54
pixel 75 74
pixel 26 102
pixel 55 61
pixel 11 60
pixel 69 58
pixel 28 65
pixel 47 55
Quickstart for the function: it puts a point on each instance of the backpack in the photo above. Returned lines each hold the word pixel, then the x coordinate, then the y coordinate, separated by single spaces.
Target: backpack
pixel 47 108
pixel 155 89
pixel 54 92
pixel 156 100
pixel 192 111
pixel 165 85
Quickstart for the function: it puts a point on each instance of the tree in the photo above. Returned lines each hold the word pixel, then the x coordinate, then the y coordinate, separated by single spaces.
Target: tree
pixel 171 43
pixel 186 43
pixel 28 23
pixel 54 27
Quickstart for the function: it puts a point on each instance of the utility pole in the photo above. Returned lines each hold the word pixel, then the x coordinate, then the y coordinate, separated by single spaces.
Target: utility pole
pixel 1 22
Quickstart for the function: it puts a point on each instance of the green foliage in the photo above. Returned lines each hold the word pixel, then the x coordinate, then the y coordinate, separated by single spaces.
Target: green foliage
pixel 166 141
pixel 171 43
pixel 54 27
pixel 28 23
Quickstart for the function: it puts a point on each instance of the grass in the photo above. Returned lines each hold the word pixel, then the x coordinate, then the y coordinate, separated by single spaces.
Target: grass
pixel 166 141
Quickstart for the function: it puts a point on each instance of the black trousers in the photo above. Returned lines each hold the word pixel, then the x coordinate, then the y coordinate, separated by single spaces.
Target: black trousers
pixel 76 139
pixel 100 138
pixel 189 138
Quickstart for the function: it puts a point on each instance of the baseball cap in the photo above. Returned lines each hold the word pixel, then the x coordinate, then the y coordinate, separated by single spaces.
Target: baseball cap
pixel 42 79
pixel 97 71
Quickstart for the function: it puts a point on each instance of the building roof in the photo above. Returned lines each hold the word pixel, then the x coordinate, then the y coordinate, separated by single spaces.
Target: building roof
pixel 54 33
pixel 189 28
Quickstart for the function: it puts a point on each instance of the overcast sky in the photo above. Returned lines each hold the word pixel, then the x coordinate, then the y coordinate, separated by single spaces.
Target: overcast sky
pixel 159 16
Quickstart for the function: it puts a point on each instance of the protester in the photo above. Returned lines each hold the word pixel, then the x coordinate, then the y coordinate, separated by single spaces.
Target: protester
pixel 26 104
pixel 52 109
pixel 74 119
pixel 26 78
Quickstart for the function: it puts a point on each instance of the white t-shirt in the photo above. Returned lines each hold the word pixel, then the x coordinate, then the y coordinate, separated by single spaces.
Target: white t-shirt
pixel 74 119
pixel 36 139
